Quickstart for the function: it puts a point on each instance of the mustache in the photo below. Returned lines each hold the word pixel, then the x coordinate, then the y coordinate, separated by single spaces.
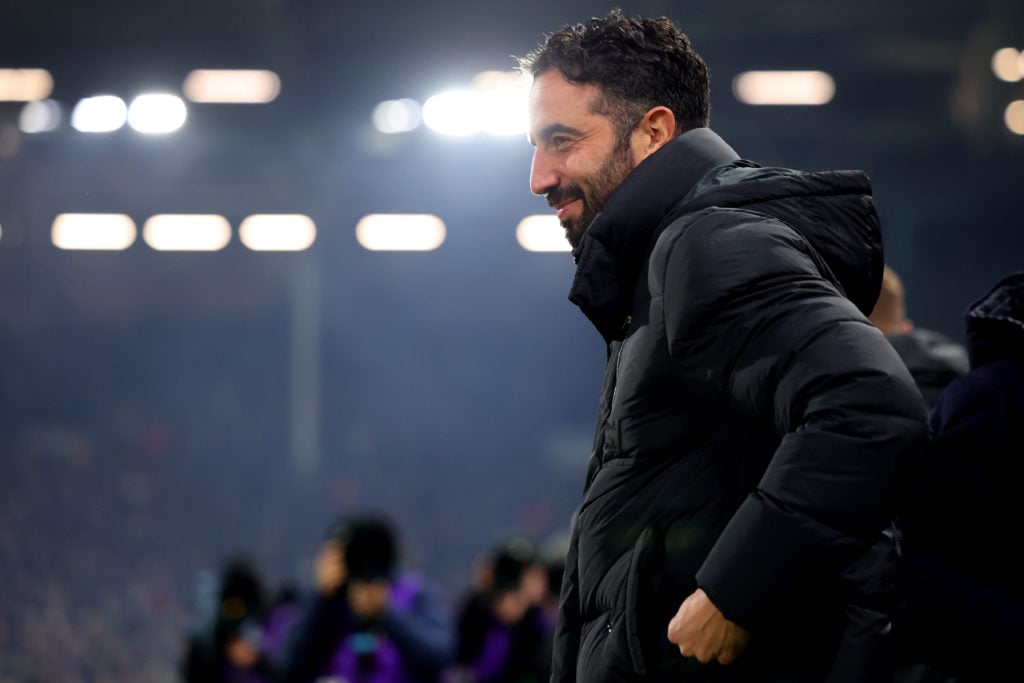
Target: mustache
pixel 562 194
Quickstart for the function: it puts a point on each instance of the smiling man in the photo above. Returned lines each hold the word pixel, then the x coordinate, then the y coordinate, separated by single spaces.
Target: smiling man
pixel 754 427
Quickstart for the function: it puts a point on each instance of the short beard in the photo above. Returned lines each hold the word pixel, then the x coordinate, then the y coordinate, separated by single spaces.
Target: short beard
pixel 595 190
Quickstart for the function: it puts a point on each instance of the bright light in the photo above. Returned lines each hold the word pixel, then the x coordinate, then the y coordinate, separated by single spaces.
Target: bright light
pixel 784 87
pixel 40 116
pixel 455 113
pixel 502 102
pixel 397 116
pixel 233 86
pixel 187 232
pixel 100 114
pixel 277 232
pixel 400 232
pixel 542 233
pixel 97 231
pixel 1014 117
pixel 1006 65
pixel 157 113
pixel 25 85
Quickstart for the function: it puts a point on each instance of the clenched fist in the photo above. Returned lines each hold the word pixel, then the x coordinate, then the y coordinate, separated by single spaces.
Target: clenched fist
pixel 702 631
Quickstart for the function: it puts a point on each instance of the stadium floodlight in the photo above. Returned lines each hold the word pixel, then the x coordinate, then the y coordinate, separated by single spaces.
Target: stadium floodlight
pixel 502 102
pixel 453 112
pixel 542 233
pixel 1007 64
pixel 277 232
pixel 157 113
pixel 784 87
pixel 397 116
pixel 39 116
pixel 400 232
pixel 232 86
pixel 1014 117
pixel 93 231
pixel 99 114
pixel 25 85
pixel 187 232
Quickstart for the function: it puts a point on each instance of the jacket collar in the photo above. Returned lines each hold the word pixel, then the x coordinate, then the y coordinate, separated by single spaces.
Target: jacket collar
pixel 615 246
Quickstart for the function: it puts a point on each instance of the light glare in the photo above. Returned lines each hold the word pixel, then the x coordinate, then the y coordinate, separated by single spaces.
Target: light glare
pixel 157 113
pixel 25 85
pixel 1006 64
pixel 542 233
pixel 40 116
pixel 95 231
pixel 503 98
pixel 187 232
pixel 784 87
pixel 455 113
pixel 277 232
pixel 397 116
pixel 400 232
pixel 232 86
pixel 100 114
pixel 1014 117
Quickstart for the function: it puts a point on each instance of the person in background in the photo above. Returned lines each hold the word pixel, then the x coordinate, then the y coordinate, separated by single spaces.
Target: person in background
pixel 370 621
pixel 504 628
pixel 934 360
pixel 964 615
pixel 224 645
pixel 755 430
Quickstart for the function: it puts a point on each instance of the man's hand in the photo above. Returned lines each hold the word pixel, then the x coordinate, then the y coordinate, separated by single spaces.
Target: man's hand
pixel 701 631
pixel 330 568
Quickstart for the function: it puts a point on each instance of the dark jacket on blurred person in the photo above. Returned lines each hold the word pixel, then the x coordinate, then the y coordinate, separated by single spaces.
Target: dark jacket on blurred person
pixel 934 360
pixel 410 638
pixel 754 428
pixel 505 627
pixel 965 614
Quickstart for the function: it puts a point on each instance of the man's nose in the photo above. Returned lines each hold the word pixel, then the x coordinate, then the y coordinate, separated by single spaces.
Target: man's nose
pixel 543 177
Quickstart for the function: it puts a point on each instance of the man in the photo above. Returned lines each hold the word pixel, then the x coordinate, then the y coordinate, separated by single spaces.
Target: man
pixel 934 360
pixel 754 427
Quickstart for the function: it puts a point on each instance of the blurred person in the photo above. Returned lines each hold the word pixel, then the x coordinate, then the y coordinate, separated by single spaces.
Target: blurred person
pixel 223 645
pixel 370 621
pixel 504 630
pixel 964 615
pixel 754 429
pixel 934 360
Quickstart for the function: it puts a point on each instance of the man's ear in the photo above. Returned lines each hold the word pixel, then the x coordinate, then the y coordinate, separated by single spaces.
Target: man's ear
pixel 656 128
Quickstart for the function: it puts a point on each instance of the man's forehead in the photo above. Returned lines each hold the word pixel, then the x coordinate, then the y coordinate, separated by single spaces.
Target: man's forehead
pixel 555 101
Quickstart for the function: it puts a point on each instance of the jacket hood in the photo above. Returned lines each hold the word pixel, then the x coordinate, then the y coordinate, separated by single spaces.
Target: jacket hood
pixel 832 210
pixel 995 322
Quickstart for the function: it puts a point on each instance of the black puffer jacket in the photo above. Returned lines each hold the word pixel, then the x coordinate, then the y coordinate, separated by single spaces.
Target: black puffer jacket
pixel 754 428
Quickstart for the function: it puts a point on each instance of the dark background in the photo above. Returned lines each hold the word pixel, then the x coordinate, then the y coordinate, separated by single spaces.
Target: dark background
pixel 159 411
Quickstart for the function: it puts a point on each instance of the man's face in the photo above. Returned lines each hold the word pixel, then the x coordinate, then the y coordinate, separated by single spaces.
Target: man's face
pixel 578 160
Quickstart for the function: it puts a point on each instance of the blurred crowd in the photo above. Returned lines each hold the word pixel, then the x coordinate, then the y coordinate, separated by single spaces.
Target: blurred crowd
pixel 111 575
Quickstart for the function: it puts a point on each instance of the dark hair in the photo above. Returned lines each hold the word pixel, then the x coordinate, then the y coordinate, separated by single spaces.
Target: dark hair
pixel 509 561
pixel 371 548
pixel 638 64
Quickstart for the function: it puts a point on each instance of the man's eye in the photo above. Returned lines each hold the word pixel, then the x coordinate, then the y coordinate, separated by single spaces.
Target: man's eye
pixel 559 141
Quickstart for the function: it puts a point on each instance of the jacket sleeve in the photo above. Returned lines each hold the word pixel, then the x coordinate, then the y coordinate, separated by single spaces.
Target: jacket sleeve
pixel 326 619
pixel 425 634
pixel 754 322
